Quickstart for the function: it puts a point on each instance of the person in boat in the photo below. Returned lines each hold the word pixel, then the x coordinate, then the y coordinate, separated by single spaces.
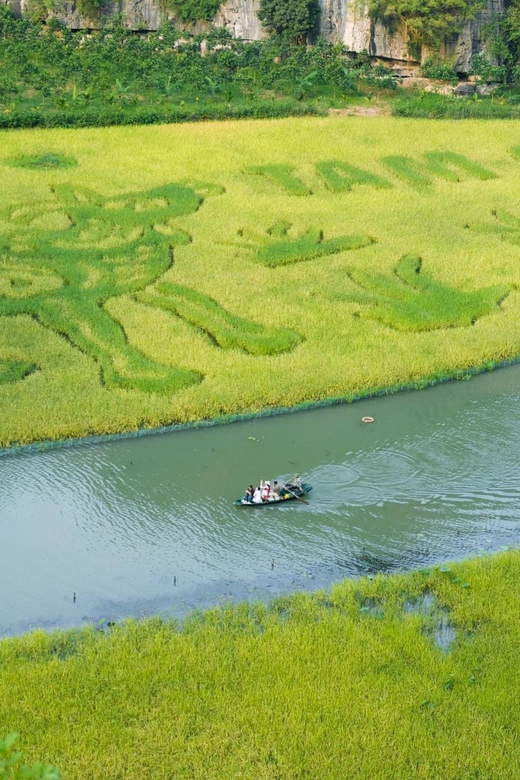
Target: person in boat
pixel 266 490
pixel 277 489
pixel 295 485
pixel 248 498
pixel 257 496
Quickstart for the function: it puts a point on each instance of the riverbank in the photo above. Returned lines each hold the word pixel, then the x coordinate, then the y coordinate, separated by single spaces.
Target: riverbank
pixel 386 678
pixel 164 299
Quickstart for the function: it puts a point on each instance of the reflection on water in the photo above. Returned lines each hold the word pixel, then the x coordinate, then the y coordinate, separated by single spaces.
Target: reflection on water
pixel 146 525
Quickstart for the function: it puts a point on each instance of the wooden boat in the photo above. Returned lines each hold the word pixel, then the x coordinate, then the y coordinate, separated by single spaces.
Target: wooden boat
pixel 289 493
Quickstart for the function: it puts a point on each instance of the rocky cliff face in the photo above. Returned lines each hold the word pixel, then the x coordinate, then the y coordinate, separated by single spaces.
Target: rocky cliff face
pixel 342 21
pixel 348 22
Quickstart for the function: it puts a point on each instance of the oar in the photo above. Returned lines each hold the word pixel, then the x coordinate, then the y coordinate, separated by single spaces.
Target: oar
pixel 295 496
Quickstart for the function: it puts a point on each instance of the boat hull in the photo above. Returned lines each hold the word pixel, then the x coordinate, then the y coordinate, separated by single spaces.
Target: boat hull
pixel 292 495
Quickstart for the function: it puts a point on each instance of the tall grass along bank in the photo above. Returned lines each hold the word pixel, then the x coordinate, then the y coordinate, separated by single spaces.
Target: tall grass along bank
pixel 396 677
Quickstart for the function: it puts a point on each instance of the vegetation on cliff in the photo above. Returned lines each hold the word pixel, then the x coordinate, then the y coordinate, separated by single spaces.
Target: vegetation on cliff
pixel 425 24
pixel 297 19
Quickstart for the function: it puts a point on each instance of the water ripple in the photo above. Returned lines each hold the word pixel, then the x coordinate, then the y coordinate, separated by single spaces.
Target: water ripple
pixel 145 525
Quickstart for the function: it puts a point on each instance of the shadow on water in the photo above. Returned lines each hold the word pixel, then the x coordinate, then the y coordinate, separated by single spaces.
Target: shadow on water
pixel 148 526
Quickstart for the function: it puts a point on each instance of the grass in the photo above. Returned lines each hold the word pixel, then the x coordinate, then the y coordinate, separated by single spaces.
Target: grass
pixel 279 247
pixel 352 682
pixel 225 330
pixel 12 371
pixel 436 164
pixel 283 176
pixel 427 105
pixel 339 176
pixel 409 300
pixel 158 281
pixel 43 160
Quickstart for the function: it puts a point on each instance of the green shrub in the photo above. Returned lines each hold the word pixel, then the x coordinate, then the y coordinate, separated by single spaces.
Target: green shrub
pixel 489 74
pixel 108 116
pixel 433 68
pixel 92 9
pixel 426 24
pixel 12 769
pixel 195 10
pixel 295 19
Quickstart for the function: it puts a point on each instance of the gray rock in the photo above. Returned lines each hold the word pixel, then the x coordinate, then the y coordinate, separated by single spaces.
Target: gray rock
pixel 463 90
pixel 487 89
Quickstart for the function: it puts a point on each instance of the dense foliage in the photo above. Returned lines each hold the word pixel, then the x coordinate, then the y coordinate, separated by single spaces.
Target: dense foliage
pixel 503 42
pixel 295 18
pixel 50 76
pixel 195 10
pixel 435 68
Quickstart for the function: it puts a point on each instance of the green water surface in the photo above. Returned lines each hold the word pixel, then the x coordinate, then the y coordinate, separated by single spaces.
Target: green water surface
pixel 148 525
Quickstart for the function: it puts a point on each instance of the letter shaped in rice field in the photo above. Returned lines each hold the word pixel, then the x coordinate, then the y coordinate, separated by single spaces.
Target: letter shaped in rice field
pixel 91 249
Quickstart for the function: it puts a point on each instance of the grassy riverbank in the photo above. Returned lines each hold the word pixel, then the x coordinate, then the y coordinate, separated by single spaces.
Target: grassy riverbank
pixel 350 683
pixel 167 274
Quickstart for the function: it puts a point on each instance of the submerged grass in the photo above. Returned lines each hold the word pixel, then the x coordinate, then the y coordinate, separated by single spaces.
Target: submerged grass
pixel 355 682
pixel 160 281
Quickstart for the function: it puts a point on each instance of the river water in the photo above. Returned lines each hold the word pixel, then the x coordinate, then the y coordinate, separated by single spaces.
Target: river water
pixel 145 526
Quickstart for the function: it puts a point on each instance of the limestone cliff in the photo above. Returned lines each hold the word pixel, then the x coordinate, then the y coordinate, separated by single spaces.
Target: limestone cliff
pixel 345 21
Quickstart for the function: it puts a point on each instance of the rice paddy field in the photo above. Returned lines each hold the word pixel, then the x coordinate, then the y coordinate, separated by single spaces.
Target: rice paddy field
pixel 170 274
pixel 409 676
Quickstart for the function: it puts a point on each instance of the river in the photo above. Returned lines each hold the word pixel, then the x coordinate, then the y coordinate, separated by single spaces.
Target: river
pixel 145 526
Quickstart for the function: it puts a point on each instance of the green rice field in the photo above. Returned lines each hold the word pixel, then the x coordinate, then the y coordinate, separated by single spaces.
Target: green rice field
pixel 409 676
pixel 169 274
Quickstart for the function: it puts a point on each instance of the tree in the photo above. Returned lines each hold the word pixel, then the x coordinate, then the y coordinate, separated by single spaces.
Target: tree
pixel 294 18
pixel 426 23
